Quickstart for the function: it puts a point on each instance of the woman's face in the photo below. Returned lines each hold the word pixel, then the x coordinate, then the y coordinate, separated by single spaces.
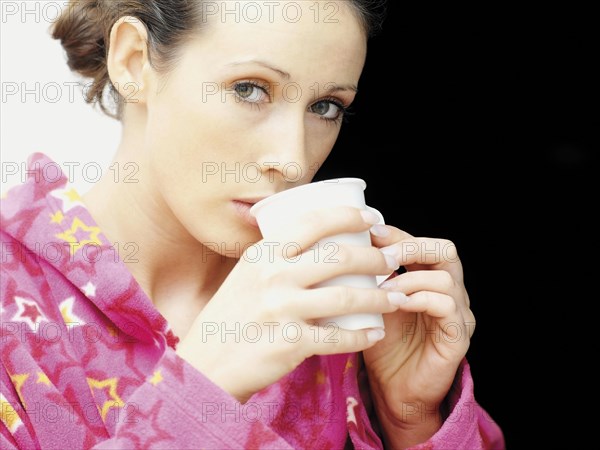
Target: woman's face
pixel 251 109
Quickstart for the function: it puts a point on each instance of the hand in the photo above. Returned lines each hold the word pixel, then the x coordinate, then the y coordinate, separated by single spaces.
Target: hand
pixel 260 324
pixel 412 369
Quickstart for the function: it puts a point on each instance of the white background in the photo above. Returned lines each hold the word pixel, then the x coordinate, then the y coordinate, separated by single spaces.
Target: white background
pixel 53 118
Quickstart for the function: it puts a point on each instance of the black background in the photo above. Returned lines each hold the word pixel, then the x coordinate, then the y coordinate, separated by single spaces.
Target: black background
pixel 485 133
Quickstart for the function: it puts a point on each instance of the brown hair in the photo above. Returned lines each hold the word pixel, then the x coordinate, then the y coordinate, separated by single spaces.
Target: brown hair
pixel 84 30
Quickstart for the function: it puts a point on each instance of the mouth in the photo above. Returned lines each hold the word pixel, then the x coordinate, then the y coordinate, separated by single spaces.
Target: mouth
pixel 242 208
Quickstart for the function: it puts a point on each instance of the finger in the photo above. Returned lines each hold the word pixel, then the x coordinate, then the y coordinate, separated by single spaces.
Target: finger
pixel 332 260
pixel 330 340
pixel 333 301
pixel 427 253
pixel 319 224
pixel 422 280
pixel 431 303
pixel 384 235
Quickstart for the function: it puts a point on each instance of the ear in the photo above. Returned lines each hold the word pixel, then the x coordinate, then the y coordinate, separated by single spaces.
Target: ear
pixel 128 63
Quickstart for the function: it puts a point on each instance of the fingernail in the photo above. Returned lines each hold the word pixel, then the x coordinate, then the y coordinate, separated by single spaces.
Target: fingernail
pixel 397 298
pixel 389 284
pixel 369 217
pixel 389 250
pixel 375 335
pixel 380 230
pixel 391 262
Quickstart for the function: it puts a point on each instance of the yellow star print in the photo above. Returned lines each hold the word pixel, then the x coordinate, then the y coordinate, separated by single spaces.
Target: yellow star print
pixel 75 244
pixel 43 378
pixel 320 377
pixel 72 195
pixel 115 401
pixel 156 378
pixel 19 380
pixel 111 330
pixel 57 217
pixel 348 365
pixel 8 415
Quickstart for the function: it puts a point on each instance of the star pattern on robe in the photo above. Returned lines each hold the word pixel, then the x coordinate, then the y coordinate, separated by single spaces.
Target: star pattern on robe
pixel 150 417
pixel 75 242
pixel 112 397
pixel 8 415
pixel 89 289
pixel 351 402
pixel 57 217
pixel 320 377
pixel 18 381
pixel 28 312
pixel 156 378
pixel 69 198
pixel 348 365
pixel 43 378
pixel 66 311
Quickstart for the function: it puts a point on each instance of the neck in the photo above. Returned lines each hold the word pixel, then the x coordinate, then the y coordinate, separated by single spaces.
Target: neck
pixel 169 264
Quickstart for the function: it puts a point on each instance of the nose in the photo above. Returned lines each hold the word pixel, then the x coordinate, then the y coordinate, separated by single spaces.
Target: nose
pixel 284 157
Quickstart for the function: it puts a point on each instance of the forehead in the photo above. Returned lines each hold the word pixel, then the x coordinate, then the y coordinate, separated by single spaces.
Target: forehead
pixel 295 33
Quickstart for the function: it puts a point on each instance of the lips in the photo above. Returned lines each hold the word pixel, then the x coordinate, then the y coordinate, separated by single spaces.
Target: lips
pixel 242 208
pixel 250 201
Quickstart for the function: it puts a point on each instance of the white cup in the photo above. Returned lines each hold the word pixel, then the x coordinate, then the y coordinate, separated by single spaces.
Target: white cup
pixel 280 209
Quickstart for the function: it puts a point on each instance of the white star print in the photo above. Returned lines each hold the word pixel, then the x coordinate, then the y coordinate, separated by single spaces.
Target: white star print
pixel 351 402
pixel 24 304
pixel 66 310
pixel 89 289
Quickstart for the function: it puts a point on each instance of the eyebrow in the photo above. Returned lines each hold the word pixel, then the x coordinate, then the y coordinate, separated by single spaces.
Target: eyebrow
pixel 332 87
pixel 345 87
pixel 283 73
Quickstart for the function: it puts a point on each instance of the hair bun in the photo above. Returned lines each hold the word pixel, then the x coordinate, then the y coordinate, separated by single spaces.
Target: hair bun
pixel 80 30
pixel 81 34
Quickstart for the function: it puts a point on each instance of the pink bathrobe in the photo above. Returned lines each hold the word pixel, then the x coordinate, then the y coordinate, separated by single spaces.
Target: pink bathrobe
pixel 88 361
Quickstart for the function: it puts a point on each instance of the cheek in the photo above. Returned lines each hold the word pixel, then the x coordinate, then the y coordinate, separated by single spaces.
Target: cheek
pixel 186 131
pixel 321 138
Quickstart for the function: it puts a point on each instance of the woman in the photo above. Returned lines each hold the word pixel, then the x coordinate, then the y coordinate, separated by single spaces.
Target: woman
pixel 131 318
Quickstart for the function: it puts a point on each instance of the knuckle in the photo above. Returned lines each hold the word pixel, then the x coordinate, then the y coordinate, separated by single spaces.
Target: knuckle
pixel 273 306
pixel 344 298
pixel 446 280
pixel 314 220
pixel 449 306
pixel 268 276
pixel 470 322
pixel 348 214
pixel 347 342
pixel 343 255
pixel 449 253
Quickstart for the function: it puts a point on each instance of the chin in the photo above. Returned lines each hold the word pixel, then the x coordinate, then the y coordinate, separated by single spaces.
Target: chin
pixel 233 244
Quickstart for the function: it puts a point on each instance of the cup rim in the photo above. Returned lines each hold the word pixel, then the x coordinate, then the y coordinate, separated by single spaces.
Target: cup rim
pixel 295 190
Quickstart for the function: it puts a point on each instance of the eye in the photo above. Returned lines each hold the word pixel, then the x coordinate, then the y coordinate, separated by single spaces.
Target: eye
pixel 250 92
pixel 328 109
